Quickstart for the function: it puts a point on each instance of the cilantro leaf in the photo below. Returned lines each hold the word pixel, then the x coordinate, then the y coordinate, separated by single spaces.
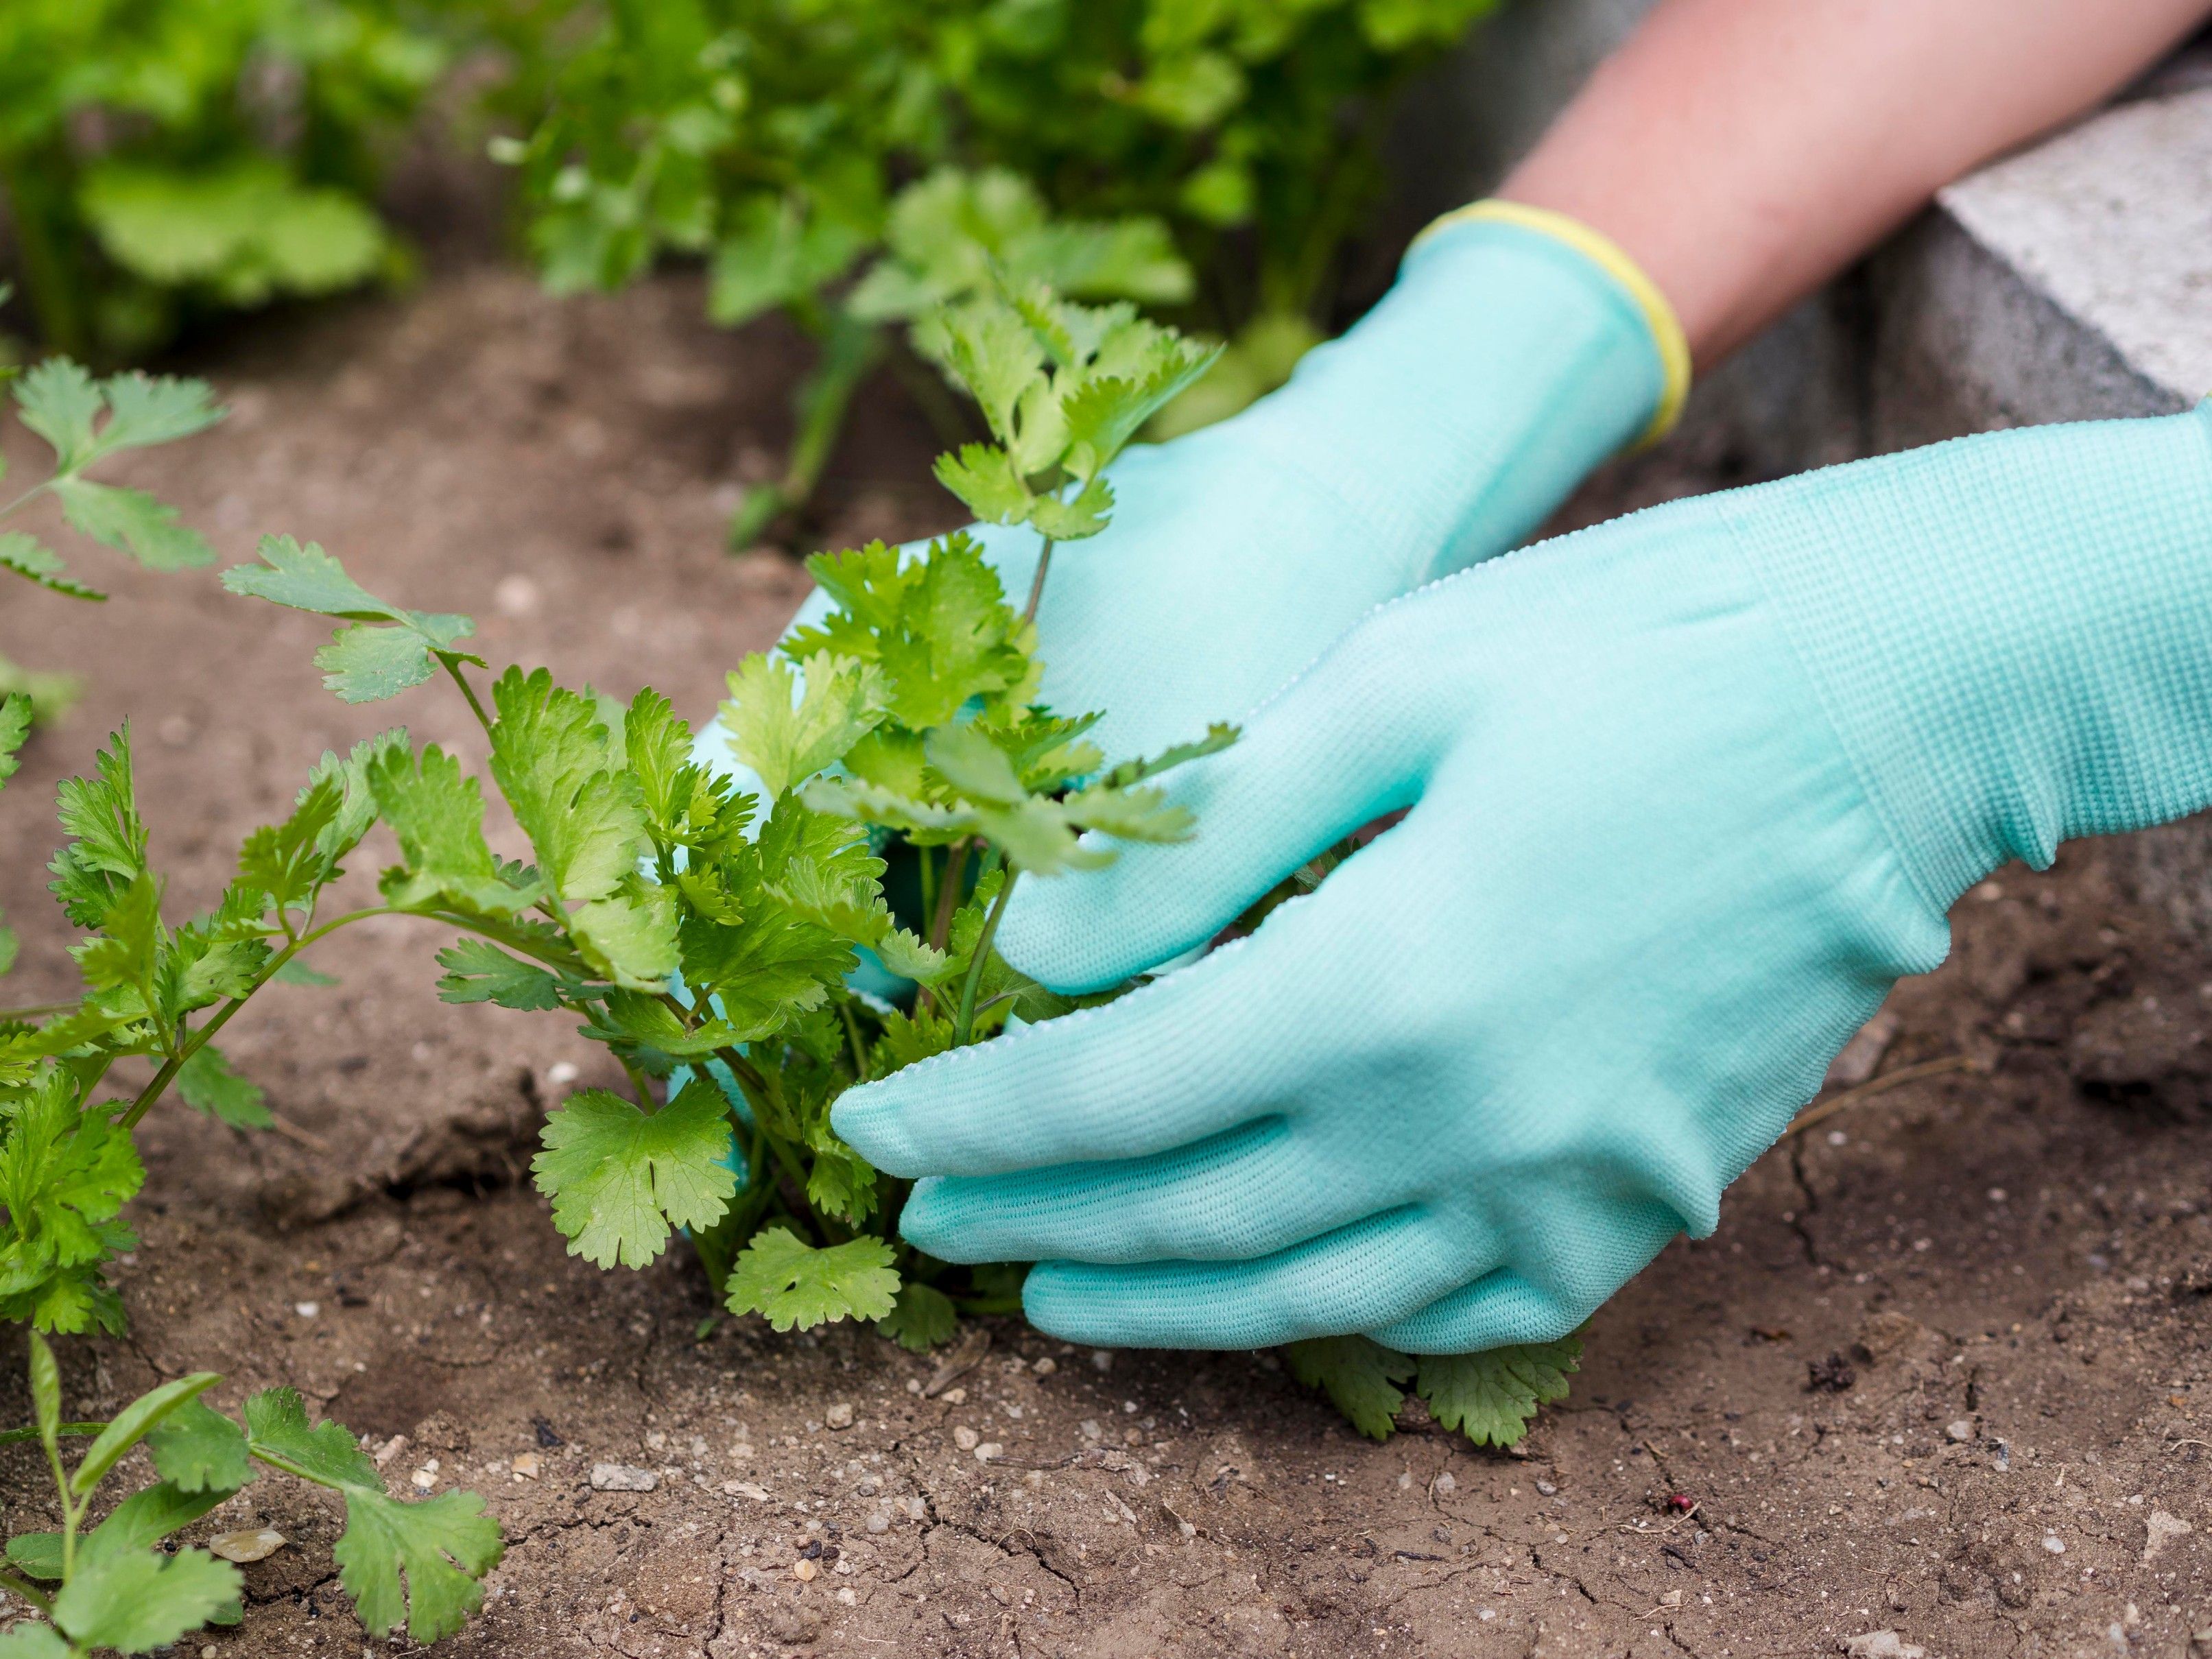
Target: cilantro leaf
pixel 786 734
pixel 1075 517
pixel 207 1083
pixel 922 1317
pixel 58 400
pixel 366 663
pixel 107 849
pixel 1490 1396
pixel 26 1640
pixel 144 409
pixel 983 477
pixel 286 860
pixel 132 521
pixel 478 971
pixel 14 730
pixel 152 1513
pixel 793 1283
pixel 133 1424
pixel 437 815
pixel 631 936
pixel 65 1173
pixel 28 557
pixel 619 1179
pixel 197 1449
pixel 1358 1374
pixel 386 651
pixel 550 756
pixel 277 1432
pixel 445 1545
pixel 135 1600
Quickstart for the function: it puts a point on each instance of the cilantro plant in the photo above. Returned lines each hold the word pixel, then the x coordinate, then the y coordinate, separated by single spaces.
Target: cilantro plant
pixel 113 1585
pixel 1217 159
pixel 84 422
pixel 706 935
pixel 161 155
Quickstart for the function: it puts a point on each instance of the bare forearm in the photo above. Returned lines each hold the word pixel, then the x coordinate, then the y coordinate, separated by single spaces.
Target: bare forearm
pixel 1742 151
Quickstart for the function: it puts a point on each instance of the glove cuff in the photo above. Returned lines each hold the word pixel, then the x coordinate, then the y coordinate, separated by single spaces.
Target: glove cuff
pixel 1667 338
pixel 2012 634
pixel 1505 362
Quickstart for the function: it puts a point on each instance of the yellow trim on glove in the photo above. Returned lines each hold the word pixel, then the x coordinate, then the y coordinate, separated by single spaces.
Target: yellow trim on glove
pixel 1601 251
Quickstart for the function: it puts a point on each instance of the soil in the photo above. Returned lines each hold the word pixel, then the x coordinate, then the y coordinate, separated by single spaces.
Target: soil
pixel 1938 1383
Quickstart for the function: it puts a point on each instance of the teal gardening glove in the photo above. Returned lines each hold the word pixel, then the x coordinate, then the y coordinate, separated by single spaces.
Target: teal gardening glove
pixel 1516 352
pixel 1687 792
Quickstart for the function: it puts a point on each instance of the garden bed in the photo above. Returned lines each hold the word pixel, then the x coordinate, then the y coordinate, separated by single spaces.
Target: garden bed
pixel 1938 1373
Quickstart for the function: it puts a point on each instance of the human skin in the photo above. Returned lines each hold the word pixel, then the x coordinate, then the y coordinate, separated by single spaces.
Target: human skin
pixel 1743 151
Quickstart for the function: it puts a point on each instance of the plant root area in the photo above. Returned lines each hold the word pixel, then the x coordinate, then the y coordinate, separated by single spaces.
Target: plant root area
pixel 1937 1384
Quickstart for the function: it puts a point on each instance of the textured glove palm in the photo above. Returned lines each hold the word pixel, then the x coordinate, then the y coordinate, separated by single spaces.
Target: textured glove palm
pixel 1687 792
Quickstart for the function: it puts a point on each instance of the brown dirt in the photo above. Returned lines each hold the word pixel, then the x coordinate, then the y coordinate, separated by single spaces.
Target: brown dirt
pixel 1940 1373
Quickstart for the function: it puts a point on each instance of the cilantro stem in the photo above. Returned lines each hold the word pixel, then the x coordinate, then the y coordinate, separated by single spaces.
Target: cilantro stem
pixel 967 1017
pixel 195 1040
pixel 22 1587
pixel 16 1436
pixel 455 669
pixel 1037 582
pixel 853 1034
pixel 948 897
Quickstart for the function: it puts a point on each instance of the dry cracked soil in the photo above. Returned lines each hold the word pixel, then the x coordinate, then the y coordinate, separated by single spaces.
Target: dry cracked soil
pixel 1937 1384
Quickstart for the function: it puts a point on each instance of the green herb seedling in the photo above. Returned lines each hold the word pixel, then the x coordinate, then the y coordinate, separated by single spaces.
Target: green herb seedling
pixel 706 936
pixel 112 1585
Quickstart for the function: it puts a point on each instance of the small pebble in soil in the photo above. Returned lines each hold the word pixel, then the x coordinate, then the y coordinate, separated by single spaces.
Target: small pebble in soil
pixel 880 1522
pixel 1960 1431
pixel 623 1477
pixel 954 1396
pixel 525 1465
pixel 839 1416
pixel 561 1074
pixel 1547 1489
pixel 803 1571
pixel 1102 1358
pixel 253 1544
pixel 1832 1375
pixel 2054 1543
pixel 306 1309
pixel 1446 1482
pixel 546 1438
pixel 965 1438
pixel 1046 1366
pixel 987 1450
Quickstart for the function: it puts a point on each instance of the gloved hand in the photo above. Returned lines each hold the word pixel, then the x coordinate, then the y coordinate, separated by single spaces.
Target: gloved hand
pixel 1688 791
pixel 1508 361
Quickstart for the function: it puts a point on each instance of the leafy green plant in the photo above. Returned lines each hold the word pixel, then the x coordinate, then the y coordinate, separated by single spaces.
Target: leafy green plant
pixel 111 1586
pixel 84 422
pixel 1217 158
pixel 706 936
pixel 160 155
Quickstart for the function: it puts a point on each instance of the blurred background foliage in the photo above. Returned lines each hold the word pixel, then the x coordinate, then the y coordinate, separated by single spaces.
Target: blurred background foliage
pixel 850 163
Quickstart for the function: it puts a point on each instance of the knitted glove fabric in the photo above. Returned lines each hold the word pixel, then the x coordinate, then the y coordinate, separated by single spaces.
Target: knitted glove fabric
pixel 1506 362
pixel 1687 792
